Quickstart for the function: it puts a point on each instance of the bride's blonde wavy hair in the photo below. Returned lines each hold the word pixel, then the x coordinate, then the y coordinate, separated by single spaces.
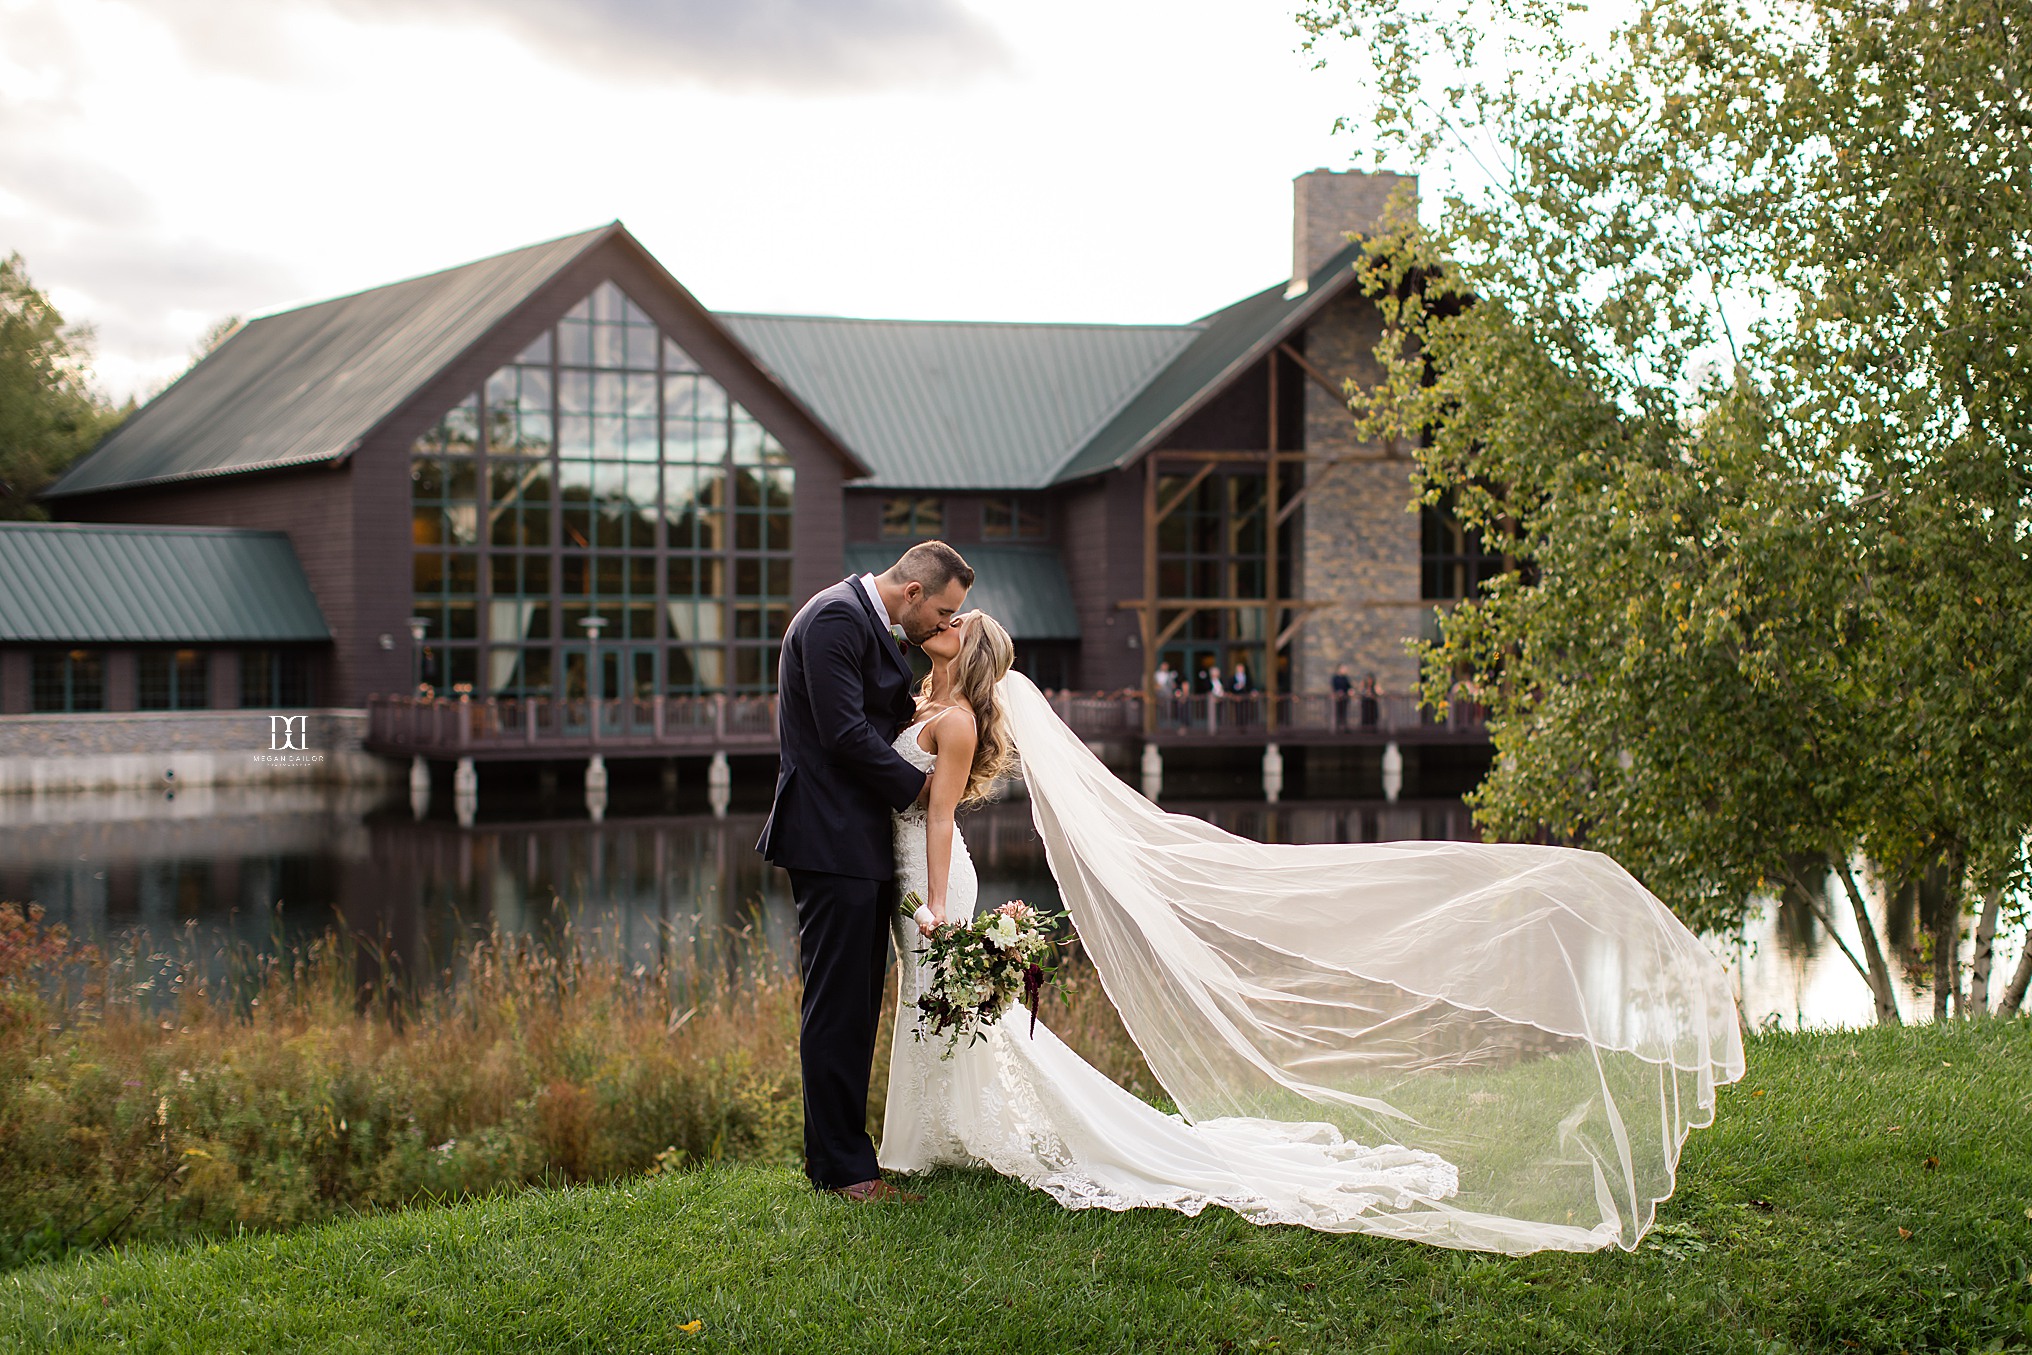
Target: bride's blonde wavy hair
pixel 986 652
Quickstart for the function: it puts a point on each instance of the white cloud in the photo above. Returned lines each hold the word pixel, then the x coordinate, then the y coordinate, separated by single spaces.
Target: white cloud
pixel 146 298
pixel 1105 163
pixel 794 46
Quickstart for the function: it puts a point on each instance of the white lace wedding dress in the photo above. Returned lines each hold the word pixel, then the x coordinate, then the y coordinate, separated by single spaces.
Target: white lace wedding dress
pixel 1027 1106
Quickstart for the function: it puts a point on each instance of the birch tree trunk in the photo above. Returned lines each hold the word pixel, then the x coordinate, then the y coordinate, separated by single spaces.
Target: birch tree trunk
pixel 1947 943
pixel 2014 992
pixel 1986 954
pixel 1878 974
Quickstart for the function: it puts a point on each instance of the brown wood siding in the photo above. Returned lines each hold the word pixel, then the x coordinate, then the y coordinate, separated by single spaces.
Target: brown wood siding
pixel 1118 665
pixel 963 515
pixel 15 668
pixel 121 677
pixel 225 679
pixel 381 543
pixel 962 520
pixel 1102 550
pixel 819 522
pixel 313 507
pixel 861 511
pixel 1084 508
pixel 1235 420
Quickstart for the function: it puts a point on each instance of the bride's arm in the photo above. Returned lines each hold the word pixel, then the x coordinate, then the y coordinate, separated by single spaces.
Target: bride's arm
pixel 953 744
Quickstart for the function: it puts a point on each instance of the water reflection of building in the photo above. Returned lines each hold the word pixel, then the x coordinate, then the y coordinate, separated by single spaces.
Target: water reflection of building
pixel 505 449
pixel 651 885
pixel 681 885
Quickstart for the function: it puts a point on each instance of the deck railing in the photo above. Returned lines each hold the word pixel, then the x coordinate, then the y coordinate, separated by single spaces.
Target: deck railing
pixel 1313 713
pixel 503 724
pixel 706 723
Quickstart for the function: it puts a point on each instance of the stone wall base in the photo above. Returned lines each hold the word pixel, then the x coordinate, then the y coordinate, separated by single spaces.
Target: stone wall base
pixel 166 750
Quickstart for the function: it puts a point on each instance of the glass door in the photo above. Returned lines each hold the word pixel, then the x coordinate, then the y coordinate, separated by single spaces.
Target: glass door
pixel 626 675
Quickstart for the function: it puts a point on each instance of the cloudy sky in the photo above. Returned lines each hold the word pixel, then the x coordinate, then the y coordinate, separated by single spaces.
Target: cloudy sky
pixel 165 163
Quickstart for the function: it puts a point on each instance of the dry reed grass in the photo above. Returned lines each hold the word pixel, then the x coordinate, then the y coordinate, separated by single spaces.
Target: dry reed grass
pixel 150 1094
pixel 141 1097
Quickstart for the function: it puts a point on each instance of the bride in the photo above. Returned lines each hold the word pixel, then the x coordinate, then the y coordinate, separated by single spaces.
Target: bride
pixel 1490 1046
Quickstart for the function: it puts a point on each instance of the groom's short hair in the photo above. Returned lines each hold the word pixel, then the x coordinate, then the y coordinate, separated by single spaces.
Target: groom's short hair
pixel 933 565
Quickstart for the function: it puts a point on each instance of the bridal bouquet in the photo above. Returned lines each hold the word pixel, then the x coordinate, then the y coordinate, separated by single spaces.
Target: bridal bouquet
pixel 977 968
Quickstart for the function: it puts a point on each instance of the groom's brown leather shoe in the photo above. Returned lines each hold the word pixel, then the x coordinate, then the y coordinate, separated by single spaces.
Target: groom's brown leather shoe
pixel 875 1192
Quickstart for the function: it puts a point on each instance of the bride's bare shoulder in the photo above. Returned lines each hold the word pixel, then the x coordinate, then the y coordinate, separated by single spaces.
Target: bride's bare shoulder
pixel 953 729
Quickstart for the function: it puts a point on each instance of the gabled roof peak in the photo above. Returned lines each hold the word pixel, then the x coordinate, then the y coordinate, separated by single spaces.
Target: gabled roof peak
pixel 576 241
pixel 303 386
pixel 1227 342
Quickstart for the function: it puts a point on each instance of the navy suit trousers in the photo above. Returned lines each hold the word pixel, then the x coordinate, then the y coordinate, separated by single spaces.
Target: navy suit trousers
pixel 843 953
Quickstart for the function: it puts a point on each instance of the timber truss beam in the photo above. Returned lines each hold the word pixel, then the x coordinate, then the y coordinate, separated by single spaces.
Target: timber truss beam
pixel 1151 609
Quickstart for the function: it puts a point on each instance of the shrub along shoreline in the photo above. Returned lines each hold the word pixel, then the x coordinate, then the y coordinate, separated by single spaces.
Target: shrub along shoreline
pixel 1860 1190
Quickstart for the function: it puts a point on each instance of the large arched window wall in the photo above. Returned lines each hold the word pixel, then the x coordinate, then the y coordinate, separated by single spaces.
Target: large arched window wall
pixel 601 473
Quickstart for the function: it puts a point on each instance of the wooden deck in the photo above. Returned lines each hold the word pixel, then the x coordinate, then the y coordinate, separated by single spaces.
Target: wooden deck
pixel 679 726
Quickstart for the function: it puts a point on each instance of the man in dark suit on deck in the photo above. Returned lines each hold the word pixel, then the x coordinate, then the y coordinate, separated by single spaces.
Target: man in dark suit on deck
pixel 843 693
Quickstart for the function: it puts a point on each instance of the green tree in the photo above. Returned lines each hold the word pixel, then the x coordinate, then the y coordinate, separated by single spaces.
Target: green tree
pixel 49 414
pixel 1733 350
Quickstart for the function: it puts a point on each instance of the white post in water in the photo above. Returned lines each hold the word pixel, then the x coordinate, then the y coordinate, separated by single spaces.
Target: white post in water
pixel 1393 772
pixel 465 792
pixel 596 787
pixel 1153 772
pixel 719 784
pixel 419 787
pixel 1273 772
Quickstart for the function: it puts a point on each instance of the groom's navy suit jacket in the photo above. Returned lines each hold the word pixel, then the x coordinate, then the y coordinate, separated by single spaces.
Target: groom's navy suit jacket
pixel 843 690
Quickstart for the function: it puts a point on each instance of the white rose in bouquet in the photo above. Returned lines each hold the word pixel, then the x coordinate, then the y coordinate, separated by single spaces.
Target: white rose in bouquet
pixel 978 968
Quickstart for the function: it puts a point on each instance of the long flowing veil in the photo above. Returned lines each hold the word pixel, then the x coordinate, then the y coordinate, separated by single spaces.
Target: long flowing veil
pixel 1532 1014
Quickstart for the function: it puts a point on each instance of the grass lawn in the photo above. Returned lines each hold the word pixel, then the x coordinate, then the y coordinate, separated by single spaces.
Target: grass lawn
pixel 1859 1191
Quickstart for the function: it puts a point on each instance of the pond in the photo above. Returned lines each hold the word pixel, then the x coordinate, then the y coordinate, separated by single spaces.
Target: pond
pixel 660 874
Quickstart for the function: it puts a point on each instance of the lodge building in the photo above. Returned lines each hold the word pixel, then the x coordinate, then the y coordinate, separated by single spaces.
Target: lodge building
pixel 488 456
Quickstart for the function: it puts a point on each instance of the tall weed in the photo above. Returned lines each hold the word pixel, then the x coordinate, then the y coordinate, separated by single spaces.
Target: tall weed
pixel 142 1095
pixel 155 1094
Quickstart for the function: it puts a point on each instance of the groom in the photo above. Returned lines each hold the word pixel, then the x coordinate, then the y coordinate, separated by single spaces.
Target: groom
pixel 843 692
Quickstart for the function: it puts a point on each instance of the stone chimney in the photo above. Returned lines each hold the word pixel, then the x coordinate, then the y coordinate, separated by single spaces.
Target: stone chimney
pixel 1327 205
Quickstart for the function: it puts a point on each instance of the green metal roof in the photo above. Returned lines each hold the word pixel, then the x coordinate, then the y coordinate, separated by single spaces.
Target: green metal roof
pixel 1023 587
pixel 924 404
pixel 1224 344
pixel 71 583
pixel 306 385
pixel 956 404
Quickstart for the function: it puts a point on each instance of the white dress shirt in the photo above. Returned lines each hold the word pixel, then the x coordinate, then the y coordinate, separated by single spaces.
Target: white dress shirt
pixel 875 596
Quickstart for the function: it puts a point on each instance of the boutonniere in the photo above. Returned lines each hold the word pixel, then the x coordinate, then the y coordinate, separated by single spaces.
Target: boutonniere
pixel 902 642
